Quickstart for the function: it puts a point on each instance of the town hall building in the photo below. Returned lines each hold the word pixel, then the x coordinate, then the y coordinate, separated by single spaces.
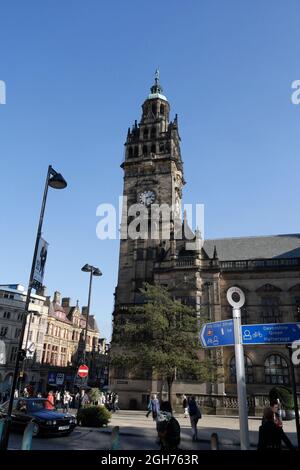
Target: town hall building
pixel 199 272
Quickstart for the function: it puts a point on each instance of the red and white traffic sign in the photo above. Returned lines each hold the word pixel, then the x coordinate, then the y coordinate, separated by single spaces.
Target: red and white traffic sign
pixel 83 371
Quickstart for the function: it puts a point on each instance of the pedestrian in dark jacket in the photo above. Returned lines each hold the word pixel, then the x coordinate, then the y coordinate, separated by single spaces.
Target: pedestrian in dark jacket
pixel 271 432
pixel 195 415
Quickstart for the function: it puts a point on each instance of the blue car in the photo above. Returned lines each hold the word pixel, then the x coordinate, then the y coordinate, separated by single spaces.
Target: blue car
pixel 46 421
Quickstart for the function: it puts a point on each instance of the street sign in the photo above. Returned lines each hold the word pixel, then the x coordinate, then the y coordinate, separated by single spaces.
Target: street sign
pixel 60 378
pixel 83 371
pixel 271 333
pixel 216 334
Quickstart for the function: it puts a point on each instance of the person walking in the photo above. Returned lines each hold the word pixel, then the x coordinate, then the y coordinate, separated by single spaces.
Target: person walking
pixel 185 406
pixel 274 407
pixel 58 399
pixel 155 408
pixel 195 415
pixel 66 401
pixel 269 433
pixel 115 401
pixel 49 403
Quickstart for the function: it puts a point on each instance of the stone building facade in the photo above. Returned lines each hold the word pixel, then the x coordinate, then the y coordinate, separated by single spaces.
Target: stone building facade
pixel 12 303
pixel 54 339
pixel 197 271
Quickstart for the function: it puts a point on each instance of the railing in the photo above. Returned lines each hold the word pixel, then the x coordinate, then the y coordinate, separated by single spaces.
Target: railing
pixel 260 264
pixel 222 403
pixel 185 261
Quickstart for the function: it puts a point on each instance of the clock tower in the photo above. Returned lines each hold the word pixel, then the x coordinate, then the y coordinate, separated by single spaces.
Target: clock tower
pixel 153 178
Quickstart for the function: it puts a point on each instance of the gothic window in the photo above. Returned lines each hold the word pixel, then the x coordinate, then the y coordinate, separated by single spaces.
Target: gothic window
pixel 145 135
pixel 276 370
pixel 136 151
pixel 248 370
pixel 145 150
pixel 153 148
pixel 162 109
pixel 153 133
pixel 270 309
pixel 154 109
pixel 130 152
pixel 161 147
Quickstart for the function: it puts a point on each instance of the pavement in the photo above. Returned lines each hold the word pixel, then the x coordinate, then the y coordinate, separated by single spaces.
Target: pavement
pixel 139 432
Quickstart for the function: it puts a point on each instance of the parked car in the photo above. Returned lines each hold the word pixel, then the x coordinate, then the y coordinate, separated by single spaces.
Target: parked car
pixel 40 411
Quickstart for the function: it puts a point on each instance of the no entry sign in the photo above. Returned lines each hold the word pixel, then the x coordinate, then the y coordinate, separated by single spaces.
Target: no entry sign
pixel 83 371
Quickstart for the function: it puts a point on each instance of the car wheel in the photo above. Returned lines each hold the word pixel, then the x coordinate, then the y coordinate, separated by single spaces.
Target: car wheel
pixel 35 430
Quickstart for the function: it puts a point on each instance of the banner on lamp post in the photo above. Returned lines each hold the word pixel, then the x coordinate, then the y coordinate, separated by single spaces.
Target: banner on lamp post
pixel 39 268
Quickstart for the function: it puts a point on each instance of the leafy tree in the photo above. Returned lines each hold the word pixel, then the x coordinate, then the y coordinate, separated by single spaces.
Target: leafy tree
pixel 161 335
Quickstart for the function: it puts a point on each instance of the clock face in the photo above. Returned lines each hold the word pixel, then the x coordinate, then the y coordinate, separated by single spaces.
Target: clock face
pixel 147 197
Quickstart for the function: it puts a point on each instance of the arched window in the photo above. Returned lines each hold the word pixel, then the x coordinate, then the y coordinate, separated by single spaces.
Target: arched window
pixel 154 109
pixel 145 150
pixel 146 132
pixel 153 148
pixel 276 370
pixel 248 370
pixel 136 151
pixel 153 133
pixel 130 152
pixel 162 109
pixel 162 147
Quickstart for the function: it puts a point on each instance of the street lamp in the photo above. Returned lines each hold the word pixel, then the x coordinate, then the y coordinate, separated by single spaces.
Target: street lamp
pixel 55 181
pixel 87 268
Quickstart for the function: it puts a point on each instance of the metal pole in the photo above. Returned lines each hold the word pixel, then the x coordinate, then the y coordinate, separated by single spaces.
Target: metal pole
pixel 87 315
pixel 4 442
pixel 240 379
pixel 293 380
pixel 26 345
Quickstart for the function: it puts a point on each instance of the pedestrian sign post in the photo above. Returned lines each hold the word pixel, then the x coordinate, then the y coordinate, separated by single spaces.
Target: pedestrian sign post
pixel 232 333
pixel 236 299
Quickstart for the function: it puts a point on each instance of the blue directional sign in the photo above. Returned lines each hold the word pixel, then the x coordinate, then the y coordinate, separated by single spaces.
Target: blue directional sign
pixel 216 334
pixel 271 333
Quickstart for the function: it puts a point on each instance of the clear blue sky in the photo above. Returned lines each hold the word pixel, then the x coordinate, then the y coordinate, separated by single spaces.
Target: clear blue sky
pixel 77 73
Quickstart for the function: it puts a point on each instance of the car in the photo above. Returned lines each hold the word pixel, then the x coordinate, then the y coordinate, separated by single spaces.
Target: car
pixel 46 419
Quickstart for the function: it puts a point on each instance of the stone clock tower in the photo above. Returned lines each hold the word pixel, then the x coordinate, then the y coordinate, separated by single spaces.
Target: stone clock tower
pixel 153 175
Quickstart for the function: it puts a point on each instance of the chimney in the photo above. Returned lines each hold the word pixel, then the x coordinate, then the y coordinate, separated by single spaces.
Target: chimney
pixel 41 291
pixel 66 301
pixel 84 310
pixel 57 298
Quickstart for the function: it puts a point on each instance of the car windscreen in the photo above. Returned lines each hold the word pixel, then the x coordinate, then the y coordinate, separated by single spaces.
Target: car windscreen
pixel 38 405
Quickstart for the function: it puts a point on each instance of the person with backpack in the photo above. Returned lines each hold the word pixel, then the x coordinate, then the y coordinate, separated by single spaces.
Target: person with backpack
pixel 195 415
pixel 168 428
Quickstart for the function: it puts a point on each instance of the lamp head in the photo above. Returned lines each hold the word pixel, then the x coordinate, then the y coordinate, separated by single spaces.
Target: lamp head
pixel 56 180
pixel 86 268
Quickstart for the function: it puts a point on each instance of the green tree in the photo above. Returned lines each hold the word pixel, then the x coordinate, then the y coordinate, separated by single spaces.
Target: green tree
pixel 161 335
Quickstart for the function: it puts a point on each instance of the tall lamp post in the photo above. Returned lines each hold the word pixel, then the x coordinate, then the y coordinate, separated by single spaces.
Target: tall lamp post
pixel 56 181
pixel 87 268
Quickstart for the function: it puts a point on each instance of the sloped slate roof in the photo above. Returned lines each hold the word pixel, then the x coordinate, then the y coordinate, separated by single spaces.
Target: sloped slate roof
pixel 274 246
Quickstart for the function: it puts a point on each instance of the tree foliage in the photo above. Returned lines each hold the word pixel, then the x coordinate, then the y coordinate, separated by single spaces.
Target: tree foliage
pixel 161 335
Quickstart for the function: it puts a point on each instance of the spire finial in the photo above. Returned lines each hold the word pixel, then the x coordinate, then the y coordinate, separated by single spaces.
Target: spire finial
pixel 157 76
